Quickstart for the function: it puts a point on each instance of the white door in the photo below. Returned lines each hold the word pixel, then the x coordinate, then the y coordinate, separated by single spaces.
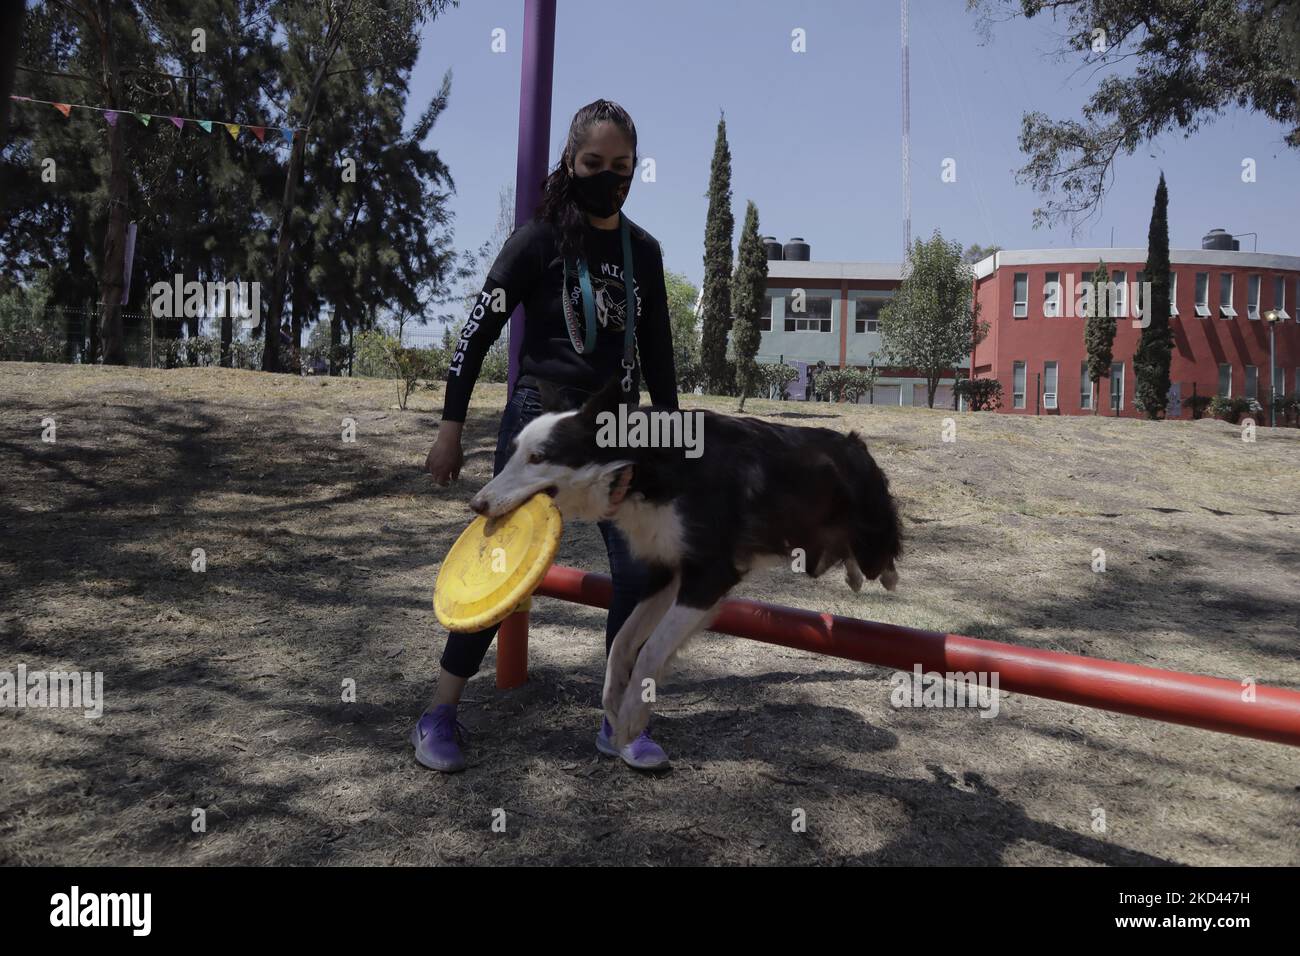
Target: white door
pixel 887 395
pixel 942 396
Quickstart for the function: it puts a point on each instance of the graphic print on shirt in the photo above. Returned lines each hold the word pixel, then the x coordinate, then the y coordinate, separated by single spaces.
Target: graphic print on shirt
pixel 610 299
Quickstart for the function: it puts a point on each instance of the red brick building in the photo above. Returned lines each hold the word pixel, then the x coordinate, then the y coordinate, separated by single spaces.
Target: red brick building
pixel 1035 346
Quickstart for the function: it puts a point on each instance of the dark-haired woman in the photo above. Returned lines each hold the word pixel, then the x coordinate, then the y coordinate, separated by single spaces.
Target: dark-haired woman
pixel 567 266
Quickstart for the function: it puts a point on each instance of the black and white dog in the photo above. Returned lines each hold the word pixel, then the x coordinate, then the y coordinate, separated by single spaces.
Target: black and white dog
pixel 749 494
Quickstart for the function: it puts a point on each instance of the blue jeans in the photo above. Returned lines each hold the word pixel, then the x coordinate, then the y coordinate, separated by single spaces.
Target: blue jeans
pixel 465 651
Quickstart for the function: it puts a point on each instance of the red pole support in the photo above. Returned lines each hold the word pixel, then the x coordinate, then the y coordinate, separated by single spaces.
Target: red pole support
pixel 512 651
pixel 1210 703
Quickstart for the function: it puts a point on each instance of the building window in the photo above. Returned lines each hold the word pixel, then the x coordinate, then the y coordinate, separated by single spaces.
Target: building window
pixel 1252 381
pixel 1277 384
pixel 1085 387
pixel 1020 309
pixel 1049 385
pixel 1017 384
pixel 1225 296
pixel 1279 296
pixel 1116 386
pixel 1052 295
pixel 1252 297
pixel 1225 380
pixel 815 317
pixel 1118 293
pixel 1202 295
pixel 1173 293
pixel 866 311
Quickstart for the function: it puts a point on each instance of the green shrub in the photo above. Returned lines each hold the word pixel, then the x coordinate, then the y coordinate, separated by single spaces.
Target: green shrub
pixel 981 394
pixel 776 377
pixel 690 376
pixel 1232 409
pixel 844 384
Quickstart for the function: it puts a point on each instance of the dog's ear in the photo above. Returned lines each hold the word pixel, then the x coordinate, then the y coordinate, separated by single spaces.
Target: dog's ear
pixel 605 400
pixel 552 398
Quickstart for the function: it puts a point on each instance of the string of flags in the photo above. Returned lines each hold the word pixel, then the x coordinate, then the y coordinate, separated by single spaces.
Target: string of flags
pixel 112 116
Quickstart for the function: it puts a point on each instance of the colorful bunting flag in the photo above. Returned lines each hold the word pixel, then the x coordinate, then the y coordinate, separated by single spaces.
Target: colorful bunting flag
pixel 111 117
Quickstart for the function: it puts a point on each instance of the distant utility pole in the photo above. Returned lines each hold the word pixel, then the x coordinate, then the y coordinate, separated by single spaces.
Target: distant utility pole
pixel 907 142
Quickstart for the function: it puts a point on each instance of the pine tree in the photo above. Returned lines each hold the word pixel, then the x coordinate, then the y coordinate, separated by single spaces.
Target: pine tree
pixel 1151 362
pixel 1099 332
pixel 716 304
pixel 748 288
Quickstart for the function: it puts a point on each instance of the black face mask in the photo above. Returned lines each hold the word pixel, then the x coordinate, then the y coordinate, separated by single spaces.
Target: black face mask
pixel 598 194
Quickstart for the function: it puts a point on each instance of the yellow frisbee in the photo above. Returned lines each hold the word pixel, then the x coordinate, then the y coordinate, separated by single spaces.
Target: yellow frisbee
pixel 496 564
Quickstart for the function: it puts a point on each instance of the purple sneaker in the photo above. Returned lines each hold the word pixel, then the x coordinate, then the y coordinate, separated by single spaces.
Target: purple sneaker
pixel 641 754
pixel 434 738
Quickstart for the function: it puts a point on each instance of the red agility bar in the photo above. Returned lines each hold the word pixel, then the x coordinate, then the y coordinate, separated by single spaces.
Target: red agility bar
pixel 1210 703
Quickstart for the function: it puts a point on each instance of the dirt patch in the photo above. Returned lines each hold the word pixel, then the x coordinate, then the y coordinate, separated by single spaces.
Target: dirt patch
pixel 223 688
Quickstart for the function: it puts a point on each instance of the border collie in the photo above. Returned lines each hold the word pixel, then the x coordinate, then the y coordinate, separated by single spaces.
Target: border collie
pixel 701 515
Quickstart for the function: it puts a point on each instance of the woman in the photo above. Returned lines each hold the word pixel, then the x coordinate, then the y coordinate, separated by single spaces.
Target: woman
pixel 566 265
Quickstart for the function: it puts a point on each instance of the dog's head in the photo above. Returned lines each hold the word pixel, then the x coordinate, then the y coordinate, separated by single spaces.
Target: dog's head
pixel 557 453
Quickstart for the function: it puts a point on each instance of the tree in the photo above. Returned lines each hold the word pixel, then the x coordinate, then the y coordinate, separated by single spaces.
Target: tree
pixel 748 290
pixel 683 318
pixel 1155 347
pixel 374 32
pixel 719 225
pixel 375 245
pixel 932 323
pixel 975 253
pixel 1184 62
pixel 1099 331
pixel 477 264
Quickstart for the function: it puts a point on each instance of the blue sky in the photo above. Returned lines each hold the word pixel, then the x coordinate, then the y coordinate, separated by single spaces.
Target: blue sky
pixel 815 136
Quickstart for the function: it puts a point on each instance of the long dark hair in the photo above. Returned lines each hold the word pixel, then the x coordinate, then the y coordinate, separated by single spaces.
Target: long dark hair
pixel 557 205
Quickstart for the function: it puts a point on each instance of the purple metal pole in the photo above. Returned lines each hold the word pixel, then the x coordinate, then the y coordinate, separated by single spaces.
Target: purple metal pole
pixel 534 134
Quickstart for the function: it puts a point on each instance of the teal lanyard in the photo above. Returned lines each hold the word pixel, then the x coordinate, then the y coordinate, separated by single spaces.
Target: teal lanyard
pixel 589 306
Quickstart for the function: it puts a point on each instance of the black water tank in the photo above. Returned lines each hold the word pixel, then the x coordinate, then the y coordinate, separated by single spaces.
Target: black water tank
pixel 771 247
pixel 796 250
pixel 1220 239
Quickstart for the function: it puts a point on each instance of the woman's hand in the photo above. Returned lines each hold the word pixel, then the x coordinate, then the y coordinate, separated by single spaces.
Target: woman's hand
pixel 446 456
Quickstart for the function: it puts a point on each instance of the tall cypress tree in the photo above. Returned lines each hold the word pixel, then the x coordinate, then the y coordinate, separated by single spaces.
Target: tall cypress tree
pixel 1099 333
pixel 716 303
pixel 1151 362
pixel 747 292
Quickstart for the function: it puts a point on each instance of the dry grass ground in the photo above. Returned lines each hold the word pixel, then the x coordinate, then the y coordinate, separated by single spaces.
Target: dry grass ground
pixel 223 688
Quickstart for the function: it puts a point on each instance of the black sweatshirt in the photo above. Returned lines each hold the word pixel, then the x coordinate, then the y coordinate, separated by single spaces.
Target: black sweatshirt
pixel 529 269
